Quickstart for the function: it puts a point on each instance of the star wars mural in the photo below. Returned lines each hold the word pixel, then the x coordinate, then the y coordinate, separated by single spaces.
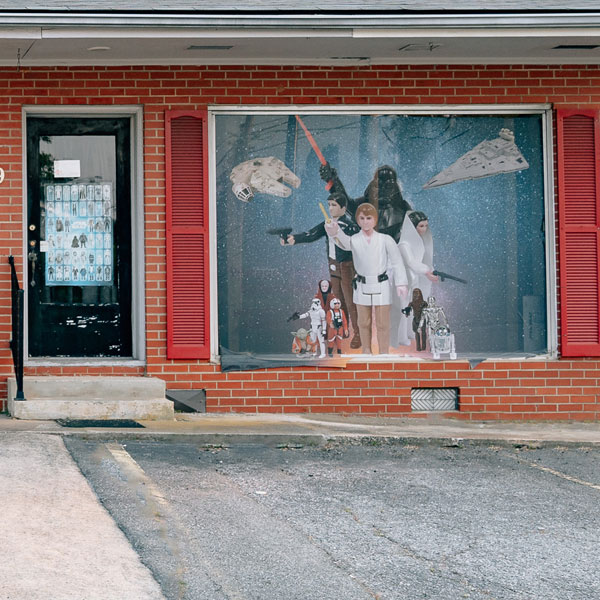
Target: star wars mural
pixel 404 235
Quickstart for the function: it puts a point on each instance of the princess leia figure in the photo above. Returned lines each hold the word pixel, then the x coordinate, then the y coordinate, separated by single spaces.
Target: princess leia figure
pixel 416 248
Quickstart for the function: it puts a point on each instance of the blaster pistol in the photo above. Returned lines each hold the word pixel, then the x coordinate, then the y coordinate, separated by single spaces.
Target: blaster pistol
pixel 282 232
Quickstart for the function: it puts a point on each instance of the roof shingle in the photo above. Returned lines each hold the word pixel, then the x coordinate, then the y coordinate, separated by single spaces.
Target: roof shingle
pixel 292 6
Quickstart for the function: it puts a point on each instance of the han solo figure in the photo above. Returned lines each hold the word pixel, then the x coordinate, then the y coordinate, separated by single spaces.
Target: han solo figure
pixel 341 268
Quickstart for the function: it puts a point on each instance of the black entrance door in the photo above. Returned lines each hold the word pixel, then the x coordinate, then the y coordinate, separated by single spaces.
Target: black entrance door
pixel 79 237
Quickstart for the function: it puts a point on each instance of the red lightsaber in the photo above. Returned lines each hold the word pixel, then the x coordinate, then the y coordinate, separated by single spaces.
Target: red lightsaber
pixel 311 141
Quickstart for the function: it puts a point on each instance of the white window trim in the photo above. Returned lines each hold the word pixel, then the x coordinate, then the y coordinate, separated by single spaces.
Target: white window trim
pixel 545 110
pixel 138 291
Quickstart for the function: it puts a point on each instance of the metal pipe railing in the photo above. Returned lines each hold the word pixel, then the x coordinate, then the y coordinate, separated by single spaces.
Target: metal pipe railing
pixel 16 342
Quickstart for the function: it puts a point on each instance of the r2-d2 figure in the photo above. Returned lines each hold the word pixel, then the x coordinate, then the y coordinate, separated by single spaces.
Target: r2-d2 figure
pixel 441 339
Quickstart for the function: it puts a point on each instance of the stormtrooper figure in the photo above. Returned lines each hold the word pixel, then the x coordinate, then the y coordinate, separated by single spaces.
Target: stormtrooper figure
pixel 441 340
pixel 317 325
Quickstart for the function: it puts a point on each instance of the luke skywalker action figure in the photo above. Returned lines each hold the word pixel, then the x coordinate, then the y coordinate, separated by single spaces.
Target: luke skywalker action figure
pixel 374 254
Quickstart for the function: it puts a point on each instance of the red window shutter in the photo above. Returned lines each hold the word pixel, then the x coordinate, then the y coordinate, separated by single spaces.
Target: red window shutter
pixel 188 303
pixel 579 231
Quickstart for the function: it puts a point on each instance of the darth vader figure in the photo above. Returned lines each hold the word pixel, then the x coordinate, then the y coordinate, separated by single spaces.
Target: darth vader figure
pixel 383 192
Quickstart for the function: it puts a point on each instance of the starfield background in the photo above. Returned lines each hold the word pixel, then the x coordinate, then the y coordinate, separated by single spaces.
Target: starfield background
pixel 489 231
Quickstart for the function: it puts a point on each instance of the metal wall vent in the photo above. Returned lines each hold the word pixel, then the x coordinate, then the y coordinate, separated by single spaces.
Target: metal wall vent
pixel 211 47
pixel 188 400
pixel 428 399
pixel 428 47
pixel 576 47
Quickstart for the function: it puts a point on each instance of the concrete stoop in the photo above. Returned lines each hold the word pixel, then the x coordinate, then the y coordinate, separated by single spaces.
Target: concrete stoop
pixel 54 397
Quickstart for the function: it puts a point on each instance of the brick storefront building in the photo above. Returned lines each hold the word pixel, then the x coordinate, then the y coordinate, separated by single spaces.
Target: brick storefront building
pixel 178 117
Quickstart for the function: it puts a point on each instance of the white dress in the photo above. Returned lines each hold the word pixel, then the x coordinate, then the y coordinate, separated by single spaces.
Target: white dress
pixel 417 254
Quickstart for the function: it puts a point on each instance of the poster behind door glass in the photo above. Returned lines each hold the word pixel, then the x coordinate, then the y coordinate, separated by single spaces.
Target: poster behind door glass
pixel 78 225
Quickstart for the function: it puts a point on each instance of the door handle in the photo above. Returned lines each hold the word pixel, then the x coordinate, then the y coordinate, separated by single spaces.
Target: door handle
pixel 32 257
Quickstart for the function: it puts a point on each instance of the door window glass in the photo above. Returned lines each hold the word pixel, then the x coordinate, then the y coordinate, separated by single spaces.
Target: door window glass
pixel 79 237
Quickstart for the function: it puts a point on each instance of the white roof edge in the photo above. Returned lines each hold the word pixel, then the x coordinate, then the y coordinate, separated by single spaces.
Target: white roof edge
pixel 330 21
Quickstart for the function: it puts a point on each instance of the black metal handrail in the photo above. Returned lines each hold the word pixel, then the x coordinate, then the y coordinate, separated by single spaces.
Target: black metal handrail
pixel 16 342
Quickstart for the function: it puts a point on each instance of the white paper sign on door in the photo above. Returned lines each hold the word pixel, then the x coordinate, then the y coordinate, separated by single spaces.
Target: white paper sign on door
pixel 67 168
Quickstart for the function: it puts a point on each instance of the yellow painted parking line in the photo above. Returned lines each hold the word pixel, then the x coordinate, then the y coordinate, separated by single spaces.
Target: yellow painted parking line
pixel 134 473
pixel 565 476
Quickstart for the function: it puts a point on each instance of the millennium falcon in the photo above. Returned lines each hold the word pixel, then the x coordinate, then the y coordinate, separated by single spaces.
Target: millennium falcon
pixel 264 175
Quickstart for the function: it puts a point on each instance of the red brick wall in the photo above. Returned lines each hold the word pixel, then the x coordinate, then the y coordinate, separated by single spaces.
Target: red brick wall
pixel 565 389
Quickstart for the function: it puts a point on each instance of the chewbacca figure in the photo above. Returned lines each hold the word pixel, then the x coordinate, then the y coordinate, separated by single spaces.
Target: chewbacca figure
pixel 416 306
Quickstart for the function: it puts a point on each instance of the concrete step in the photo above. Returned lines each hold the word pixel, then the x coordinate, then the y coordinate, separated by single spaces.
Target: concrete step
pixel 54 397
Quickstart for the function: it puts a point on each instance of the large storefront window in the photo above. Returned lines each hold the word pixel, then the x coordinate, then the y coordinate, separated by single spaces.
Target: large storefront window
pixel 461 196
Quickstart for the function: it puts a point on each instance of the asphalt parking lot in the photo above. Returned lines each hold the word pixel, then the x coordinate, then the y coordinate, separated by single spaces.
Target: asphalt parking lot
pixel 355 519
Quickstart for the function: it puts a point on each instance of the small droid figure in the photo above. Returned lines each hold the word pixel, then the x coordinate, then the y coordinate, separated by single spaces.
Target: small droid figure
pixel 317 324
pixel 302 343
pixel 337 326
pixel 441 340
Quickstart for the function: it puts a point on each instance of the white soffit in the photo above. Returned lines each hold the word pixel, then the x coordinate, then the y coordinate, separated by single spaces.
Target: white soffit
pixel 276 39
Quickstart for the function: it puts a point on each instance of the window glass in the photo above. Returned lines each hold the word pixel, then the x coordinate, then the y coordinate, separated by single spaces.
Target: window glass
pixel 476 181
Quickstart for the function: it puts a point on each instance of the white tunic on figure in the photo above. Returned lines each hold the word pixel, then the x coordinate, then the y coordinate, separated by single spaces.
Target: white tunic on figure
pixel 372 257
